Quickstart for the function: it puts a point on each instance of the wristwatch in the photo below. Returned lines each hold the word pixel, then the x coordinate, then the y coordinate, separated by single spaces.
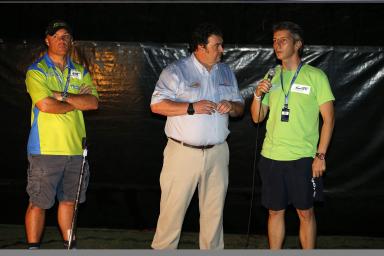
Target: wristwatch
pixel 190 109
pixel 321 156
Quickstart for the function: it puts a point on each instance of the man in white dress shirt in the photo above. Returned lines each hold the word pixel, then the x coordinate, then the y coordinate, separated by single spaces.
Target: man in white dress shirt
pixel 197 94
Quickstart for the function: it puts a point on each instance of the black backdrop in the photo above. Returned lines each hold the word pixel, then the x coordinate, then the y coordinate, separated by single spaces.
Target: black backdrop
pixel 126 140
pixel 242 23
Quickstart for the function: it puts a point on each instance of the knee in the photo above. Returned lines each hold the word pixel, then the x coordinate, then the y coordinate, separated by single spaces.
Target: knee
pixel 34 208
pixel 276 214
pixel 67 203
pixel 306 215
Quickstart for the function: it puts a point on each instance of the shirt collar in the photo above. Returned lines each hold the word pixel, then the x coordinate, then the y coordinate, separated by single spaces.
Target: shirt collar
pixel 203 70
pixel 50 63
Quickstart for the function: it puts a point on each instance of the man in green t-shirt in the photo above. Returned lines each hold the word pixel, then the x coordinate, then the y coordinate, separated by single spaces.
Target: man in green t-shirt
pixel 60 90
pixel 293 155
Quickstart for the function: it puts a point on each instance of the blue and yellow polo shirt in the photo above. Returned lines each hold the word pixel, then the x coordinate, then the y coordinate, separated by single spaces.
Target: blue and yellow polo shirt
pixel 56 134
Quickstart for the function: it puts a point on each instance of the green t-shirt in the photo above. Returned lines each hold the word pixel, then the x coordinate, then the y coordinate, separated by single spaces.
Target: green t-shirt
pixel 298 137
pixel 55 134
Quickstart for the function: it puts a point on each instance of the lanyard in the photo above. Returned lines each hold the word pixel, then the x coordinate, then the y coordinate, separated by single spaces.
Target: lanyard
pixel 290 86
pixel 58 77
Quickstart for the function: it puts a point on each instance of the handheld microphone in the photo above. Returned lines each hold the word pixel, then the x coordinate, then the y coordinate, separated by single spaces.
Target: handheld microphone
pixel 271 73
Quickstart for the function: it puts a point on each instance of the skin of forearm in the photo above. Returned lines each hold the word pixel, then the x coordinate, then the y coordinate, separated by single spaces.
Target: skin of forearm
pixel 170 108
pixel 53 106
pixel 237 109
pixel 255 111
pixel 82 101
pixel 328 116
pixel 325 136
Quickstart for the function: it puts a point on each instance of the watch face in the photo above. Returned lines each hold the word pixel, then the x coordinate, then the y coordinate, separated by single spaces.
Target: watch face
pixel 190 110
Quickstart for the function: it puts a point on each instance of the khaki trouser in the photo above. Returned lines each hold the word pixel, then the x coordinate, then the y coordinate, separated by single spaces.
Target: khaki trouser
pixel 185 168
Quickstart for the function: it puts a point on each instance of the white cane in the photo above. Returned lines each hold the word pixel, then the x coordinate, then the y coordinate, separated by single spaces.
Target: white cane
pixel 72 231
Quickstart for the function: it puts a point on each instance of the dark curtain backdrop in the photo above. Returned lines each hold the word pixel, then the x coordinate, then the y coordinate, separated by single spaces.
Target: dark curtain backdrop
pixel 126 140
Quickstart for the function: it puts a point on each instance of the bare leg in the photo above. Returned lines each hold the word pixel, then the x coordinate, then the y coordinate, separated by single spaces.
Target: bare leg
pixel 276 229
pixel 307 228
pixel 64 217
pixel 34 223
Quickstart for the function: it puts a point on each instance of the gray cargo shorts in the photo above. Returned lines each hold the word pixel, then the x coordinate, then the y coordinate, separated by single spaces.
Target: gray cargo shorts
pixel 51 176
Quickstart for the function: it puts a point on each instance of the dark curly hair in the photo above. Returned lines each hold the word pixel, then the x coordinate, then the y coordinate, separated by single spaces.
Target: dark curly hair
pixel 296 31
pixel 201 33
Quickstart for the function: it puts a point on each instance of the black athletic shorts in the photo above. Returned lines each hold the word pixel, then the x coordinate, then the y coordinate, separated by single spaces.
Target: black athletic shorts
pixel 289 182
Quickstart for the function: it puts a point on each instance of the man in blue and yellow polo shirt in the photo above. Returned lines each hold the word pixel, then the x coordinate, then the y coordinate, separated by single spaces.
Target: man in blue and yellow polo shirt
pixel 60 90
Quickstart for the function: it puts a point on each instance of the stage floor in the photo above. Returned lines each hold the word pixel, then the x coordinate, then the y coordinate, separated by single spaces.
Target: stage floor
pixel 13 237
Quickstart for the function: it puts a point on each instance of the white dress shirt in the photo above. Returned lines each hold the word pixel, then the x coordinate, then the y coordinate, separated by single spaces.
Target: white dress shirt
pixel 187 80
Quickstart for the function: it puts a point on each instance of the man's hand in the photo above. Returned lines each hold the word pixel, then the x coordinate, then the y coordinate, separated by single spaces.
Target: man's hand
pixel 205 107
pixel 263 87
pixel 85 89
pixel 224 107
pixel 57 95
pixel 318 167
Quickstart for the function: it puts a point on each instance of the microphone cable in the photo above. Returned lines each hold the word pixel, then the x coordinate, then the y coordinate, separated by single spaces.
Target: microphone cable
pixel 254 171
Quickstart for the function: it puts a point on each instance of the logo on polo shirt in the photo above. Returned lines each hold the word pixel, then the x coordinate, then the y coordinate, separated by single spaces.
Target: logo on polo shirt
pixel 195 85
pixel 75 87
pixel 75 74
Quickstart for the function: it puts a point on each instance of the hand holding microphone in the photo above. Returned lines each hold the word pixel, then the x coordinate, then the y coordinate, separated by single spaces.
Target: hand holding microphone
pixel 265 85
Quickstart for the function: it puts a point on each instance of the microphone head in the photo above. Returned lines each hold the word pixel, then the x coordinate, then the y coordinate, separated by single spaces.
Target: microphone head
pixel 271 73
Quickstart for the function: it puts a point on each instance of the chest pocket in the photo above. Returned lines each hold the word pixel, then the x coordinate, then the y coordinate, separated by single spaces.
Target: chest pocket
pixel 226 91
pixel 302 94
pixel 225 86
pixel 56 84
pixel 75 81
pixel 189 91
pixel 74 87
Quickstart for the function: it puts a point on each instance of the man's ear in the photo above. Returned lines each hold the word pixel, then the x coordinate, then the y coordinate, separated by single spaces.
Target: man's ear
pixel 298 44
pixel 201 46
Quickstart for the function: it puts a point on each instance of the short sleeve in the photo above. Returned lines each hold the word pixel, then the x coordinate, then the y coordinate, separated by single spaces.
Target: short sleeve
pixel 87 80
pixel 36 85
pixel 324 91
pixel 166 87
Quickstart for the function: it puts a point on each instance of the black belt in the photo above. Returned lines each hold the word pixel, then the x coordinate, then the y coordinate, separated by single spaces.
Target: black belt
pixel 192 146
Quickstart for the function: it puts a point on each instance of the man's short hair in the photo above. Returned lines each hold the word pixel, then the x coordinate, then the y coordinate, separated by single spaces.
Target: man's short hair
pixel 201 33
pixel 56 25
pixel 296 31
